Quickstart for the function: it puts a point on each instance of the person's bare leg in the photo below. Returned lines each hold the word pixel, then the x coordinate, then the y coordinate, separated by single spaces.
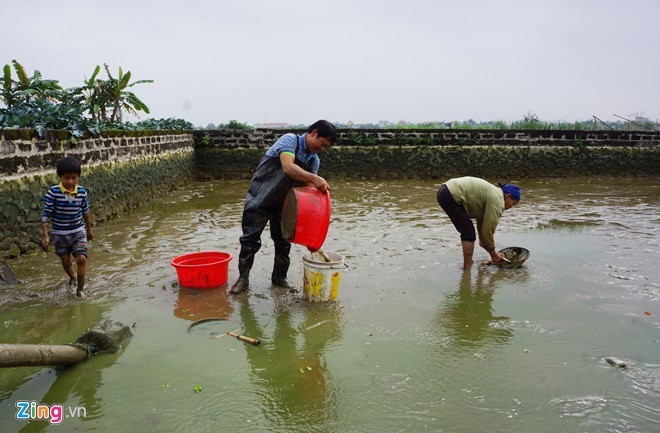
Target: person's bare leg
pixel 468 251
pixel 66 264
pixel 81 268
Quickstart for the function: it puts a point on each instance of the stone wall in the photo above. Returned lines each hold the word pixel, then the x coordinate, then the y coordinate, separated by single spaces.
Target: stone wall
pixel 263 138
pixel 23 152
pixel 121 171
pixel 441 154
pixel 443 162
pixel 124 169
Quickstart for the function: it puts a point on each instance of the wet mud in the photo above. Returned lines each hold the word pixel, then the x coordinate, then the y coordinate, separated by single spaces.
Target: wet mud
pixel 413 343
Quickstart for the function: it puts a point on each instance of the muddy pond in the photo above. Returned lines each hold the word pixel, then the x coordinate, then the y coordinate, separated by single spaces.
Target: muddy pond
pixel 412 344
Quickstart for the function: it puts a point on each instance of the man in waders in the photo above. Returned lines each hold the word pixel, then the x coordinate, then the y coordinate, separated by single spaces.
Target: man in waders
pixel 291 161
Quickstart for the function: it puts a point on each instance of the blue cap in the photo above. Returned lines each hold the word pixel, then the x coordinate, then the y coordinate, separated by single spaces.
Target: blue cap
pixel 512 190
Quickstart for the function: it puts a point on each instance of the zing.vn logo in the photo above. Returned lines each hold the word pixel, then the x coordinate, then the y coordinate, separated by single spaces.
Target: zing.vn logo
pixel 30 410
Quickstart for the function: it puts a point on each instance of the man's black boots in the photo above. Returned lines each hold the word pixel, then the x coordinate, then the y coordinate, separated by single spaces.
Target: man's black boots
pixel 280 269
pixel 243 282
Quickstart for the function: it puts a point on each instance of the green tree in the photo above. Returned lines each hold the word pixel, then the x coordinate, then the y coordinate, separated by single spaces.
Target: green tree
pixel 529 121
pixel 25 89
pixel 234 124
pixel 108 99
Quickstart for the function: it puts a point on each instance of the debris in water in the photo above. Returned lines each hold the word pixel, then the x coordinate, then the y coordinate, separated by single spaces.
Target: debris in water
pixel 648 313
pixel 316 324
pixel 616 362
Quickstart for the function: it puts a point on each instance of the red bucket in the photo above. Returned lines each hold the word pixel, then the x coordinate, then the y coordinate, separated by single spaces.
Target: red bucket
pixel 202 270
pixel 306 216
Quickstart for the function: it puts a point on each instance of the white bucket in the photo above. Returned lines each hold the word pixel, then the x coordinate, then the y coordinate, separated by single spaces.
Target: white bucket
pixel 321 278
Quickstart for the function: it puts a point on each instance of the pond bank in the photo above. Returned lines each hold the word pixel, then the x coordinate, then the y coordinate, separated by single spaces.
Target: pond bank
pixel 124 169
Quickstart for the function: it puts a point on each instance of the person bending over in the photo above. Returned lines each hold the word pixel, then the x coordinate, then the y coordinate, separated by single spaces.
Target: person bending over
pixel 467 198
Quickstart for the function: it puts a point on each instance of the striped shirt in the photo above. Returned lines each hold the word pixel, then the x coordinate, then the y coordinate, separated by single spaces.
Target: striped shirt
pixel 65 211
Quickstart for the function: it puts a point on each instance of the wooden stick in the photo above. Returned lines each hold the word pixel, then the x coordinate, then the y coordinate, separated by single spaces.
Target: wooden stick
pixel 324 255
pixel 224 333
pixel 637 123
pixel 596 118
pixel 244 338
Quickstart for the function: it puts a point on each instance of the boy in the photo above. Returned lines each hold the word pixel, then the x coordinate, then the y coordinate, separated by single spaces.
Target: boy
pixel 291 161
pixel 66 207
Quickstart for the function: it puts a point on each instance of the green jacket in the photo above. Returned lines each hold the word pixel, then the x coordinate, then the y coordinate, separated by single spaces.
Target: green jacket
pixel 483 202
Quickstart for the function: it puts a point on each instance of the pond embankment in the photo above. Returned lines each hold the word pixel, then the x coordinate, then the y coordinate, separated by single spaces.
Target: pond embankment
pixel 439 154
pixel 123 169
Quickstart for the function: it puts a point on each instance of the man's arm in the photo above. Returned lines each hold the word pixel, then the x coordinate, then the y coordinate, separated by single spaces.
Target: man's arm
pixel 486 228
pixel 297 173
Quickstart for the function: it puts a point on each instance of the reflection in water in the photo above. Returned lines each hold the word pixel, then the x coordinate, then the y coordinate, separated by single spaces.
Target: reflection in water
pixel 193 304
pixel 592 275
pixel 296 387
pixel 75 387
pixel 47 324
pixel 467 314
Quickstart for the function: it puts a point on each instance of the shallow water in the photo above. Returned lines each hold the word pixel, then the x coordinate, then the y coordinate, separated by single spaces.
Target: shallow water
pixel 413 343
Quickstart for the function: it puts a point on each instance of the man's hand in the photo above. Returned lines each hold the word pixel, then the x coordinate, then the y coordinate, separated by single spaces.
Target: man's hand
pixel 320 184
pixel 297 173
pixel 497 257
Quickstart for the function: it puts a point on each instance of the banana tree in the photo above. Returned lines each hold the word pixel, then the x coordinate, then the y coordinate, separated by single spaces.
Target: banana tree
pixel 107 100
pixel 122 99
pixel 25 89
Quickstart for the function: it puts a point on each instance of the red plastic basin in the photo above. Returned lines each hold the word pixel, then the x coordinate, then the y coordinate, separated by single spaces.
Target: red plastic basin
pixel 203 270
pixel 306 216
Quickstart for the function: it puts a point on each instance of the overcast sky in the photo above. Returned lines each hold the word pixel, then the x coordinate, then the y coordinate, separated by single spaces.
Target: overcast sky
pixel 297 61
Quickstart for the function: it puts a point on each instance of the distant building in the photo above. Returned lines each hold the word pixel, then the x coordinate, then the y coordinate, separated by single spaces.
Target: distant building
pixel 272 125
